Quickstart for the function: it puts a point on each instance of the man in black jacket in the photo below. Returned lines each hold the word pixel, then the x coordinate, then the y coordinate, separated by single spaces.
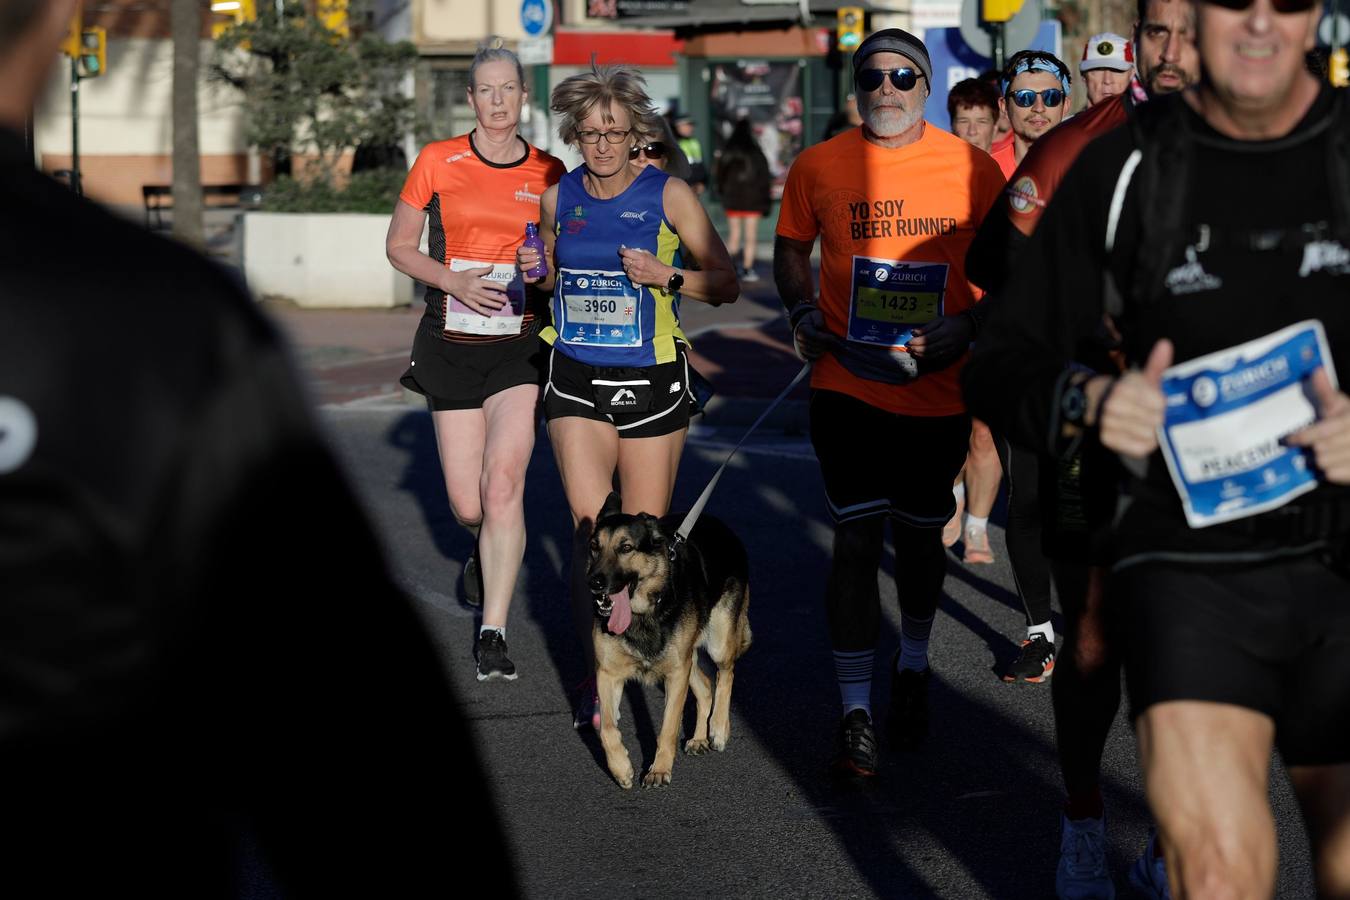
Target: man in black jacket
pixel 208 682
pixel 1228 583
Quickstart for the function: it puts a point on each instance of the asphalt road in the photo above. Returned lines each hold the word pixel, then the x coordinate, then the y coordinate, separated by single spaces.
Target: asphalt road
pixel 974 813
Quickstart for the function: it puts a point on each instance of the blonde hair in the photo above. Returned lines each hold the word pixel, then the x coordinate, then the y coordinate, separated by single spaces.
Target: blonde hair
pixel 604 87
pixel 492 50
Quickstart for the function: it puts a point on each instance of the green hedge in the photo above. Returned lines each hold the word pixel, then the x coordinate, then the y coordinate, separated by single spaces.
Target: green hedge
pixel 367 192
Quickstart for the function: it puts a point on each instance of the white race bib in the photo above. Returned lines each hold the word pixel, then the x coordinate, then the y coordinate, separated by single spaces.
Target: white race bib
pixel 503 322
pixel 1227 416
pixel 599 309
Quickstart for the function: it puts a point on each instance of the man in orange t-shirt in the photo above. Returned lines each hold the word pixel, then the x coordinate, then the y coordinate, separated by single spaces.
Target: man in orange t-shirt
pixel 895 204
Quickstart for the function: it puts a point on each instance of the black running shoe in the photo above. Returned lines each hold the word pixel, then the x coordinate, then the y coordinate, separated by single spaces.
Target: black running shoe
pixel 1035 663
pixel 490 652
pixel 857 755
pixel 907 721
pixel 472 580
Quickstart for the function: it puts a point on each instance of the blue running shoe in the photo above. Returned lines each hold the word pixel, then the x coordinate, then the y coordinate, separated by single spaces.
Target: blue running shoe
pixel 1148 875
pixel 1083 873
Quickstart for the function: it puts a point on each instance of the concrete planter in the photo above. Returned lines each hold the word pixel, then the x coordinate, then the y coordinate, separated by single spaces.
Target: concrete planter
pixel 322 260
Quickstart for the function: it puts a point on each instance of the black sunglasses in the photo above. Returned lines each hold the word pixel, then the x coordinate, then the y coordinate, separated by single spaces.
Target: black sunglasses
pixel 1026 97
pixel 901 79
pixel 654 150
pixel 1280 6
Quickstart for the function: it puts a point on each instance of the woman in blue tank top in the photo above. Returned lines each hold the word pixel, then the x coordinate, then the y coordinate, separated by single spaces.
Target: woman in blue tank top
pixel 617 399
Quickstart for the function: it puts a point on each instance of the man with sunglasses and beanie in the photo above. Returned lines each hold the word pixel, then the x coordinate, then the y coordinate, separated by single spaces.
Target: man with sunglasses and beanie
pixel 1228 586
pixel 1049 528
pixel 1036 91
pixel 894 205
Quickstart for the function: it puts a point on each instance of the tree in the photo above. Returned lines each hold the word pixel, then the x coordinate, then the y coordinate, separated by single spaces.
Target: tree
pixel 309 90
pixel 187 175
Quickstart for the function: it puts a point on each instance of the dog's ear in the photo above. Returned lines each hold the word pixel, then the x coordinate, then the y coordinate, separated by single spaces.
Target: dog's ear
pixel 655 533
pixel 613 506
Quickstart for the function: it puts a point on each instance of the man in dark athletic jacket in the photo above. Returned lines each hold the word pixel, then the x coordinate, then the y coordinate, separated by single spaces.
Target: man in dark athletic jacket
pixel 1228 588
pixel 209 686
pixel 1086 687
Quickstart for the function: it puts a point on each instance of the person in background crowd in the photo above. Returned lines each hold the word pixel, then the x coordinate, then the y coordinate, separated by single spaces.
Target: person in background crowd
pixel 743 184
pixel 1107 66
pixel 843 119
pixel 211 685
pixel 1036 91
pixel 660 149
pixel 973 107
pixel 1003 135
pixel 693 151
pixel 476 355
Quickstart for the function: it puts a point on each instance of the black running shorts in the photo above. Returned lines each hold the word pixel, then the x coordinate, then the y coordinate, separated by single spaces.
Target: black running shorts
pixel 876 463
pixel 1273 637
pixel 660 394
pixel 455 375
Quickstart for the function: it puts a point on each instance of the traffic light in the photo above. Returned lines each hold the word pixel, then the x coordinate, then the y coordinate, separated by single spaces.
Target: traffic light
pixel 850 30
pixel 93 52
pixel 226 14
pixel 71 45
pixel 1338 73
pixel 999 10
pixel 333 15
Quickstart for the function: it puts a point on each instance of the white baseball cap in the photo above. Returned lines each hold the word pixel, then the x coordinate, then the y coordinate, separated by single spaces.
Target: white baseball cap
pixel 1107 51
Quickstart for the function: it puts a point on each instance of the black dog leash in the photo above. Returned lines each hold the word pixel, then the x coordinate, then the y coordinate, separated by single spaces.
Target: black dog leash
pixel 682 533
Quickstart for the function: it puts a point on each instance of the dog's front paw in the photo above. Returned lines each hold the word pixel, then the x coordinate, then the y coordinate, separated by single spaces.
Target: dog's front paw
pixel 696 748
pixel 655 778
pixel 623 775
pixel 718 742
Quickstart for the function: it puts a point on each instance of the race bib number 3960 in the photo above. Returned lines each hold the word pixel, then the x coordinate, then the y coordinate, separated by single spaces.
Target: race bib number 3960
pixel 600 309
pixel 1227 416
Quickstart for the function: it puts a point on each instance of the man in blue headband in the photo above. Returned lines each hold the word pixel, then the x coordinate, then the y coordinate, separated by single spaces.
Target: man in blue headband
pixel 1036 89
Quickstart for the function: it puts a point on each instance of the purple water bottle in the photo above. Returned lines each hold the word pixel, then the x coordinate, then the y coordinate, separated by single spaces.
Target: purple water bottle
pixel 532 239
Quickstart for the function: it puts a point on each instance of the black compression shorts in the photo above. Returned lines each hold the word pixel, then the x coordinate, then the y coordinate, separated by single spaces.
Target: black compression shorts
pixel 455 375
pixel 649 401
pixel 876 463
pixel 1273 637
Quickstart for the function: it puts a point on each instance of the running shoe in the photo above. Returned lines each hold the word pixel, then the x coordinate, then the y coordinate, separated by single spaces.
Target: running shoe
pixel 1083 873
pixel 587 713
pixel 490 653
pixel 857 754
pixel 1148 875
pixel 1035 663
pixel 472 580
pixel 977 547
pixel 750 276
pixel 907 721
pixel 951 532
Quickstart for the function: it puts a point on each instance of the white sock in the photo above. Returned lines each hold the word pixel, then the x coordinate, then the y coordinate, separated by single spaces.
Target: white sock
pixel 914 643
pixel 853 671
pixel 959 491
pixel 977 523
pixel 500 629
pixel 1045 629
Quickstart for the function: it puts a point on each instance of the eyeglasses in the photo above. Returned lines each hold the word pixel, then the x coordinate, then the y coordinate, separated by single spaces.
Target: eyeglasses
pixel 613 137
pixel 654 150
pixel 1027 97
pixel 901 79
pixel 1280 6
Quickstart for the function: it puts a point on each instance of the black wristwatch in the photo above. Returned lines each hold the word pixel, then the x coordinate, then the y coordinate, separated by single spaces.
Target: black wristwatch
pixel 675 283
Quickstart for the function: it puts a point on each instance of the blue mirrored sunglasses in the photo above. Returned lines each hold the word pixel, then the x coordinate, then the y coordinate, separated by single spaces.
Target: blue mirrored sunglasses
pixel 1026 97
pixel 901 79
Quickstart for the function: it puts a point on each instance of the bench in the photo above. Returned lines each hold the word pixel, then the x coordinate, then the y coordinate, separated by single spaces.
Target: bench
pixel 159 197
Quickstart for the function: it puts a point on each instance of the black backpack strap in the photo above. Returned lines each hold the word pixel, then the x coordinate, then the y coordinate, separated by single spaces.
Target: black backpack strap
pixel 1338 164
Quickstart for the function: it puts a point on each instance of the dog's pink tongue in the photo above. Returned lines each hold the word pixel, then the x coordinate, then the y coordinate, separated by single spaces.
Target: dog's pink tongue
pixel 621 616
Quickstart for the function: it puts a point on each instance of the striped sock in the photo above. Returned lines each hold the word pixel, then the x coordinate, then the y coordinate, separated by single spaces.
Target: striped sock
pixel 914 643
pixel 853 670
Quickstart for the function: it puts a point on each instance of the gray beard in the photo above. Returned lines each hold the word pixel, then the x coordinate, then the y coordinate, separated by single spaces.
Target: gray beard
pixel 890 125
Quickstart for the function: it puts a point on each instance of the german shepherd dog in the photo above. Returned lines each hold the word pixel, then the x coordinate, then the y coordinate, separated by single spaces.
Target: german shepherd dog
pixel 656 602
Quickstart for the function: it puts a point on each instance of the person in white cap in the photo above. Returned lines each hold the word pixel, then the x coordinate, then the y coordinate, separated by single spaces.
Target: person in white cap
pixel 1108 62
